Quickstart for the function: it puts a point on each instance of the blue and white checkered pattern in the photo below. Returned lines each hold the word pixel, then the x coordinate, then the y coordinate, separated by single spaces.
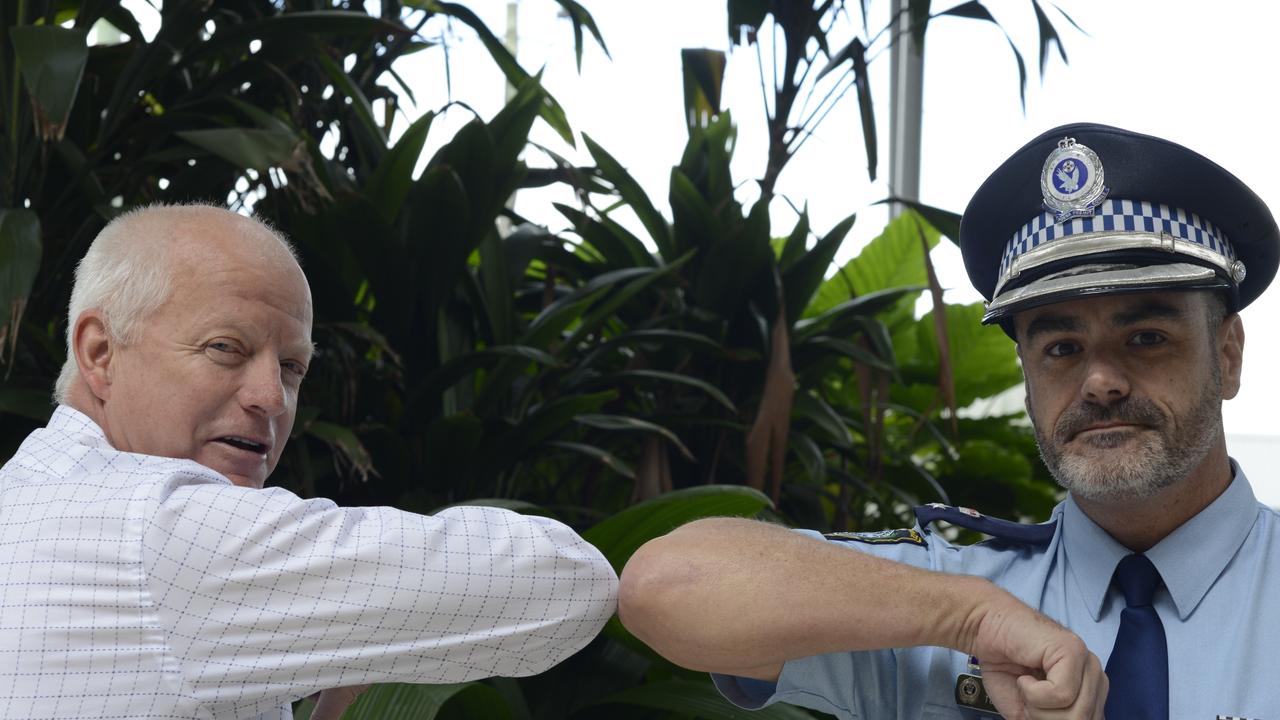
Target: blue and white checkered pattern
pixel 1119 216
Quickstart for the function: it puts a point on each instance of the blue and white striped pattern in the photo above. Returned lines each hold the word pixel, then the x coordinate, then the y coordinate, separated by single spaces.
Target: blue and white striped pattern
pixel 1119 216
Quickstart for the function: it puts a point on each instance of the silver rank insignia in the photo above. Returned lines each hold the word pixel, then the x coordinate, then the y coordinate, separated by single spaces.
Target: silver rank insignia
pixel 1072 181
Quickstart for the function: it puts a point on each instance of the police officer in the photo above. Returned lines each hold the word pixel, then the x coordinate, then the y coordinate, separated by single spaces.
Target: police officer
pixel 1117 262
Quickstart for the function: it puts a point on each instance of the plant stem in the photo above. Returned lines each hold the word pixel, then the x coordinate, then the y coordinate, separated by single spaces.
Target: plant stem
pixel 13 115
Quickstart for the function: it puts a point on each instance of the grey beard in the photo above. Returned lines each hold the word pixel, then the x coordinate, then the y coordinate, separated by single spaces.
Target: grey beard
pixel 1161 459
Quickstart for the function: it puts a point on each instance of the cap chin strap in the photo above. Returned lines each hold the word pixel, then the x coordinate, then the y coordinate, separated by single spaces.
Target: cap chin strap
pixel 1104 242
pixel 1150 277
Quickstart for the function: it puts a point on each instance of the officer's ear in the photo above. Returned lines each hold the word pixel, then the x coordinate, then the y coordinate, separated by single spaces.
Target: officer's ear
pixel 1229 344
pixel 1026 383
pixel 93 347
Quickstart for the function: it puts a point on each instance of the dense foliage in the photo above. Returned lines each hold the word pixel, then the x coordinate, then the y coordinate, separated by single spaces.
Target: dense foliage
pixel 622 383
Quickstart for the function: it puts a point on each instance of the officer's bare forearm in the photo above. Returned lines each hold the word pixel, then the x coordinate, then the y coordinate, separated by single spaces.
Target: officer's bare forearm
pixel 742 597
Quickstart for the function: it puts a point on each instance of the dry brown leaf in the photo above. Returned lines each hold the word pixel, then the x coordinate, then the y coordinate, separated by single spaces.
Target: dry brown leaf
pixel 767 439
pixel 653 471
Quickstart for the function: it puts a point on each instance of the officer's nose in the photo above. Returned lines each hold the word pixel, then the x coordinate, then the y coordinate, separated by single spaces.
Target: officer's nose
pixel 1106 381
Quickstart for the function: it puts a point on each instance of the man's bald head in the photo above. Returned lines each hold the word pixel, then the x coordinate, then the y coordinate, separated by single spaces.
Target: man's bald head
pixel 129 269
pixel 190 335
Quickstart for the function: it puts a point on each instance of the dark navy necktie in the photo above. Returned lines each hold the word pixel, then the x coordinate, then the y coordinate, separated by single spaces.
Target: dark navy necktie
pixel 1139 665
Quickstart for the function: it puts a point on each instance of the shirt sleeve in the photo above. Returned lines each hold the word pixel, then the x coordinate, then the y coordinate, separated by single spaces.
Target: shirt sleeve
pixel 264 595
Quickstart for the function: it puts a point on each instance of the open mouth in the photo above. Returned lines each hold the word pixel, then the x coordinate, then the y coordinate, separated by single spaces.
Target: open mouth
pixel 241 443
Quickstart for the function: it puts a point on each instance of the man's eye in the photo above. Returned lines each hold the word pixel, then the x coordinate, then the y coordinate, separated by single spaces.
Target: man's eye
pixel 222 347
pixel 1147 337
pixel 1061 349
pixel 296 368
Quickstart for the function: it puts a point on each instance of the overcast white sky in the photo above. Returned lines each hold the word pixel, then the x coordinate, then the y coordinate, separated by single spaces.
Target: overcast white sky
pixel 1193 72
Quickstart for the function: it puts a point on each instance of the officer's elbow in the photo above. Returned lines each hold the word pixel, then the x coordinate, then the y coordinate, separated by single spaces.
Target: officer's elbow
pixel 635 584
pixel 652 585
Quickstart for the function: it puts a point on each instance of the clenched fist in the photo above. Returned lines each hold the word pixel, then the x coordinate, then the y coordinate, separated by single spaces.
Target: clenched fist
pixel 1033 667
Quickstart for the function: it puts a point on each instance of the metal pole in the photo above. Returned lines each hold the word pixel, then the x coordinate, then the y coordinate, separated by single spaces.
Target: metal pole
pixel 906 92
pixel 512 40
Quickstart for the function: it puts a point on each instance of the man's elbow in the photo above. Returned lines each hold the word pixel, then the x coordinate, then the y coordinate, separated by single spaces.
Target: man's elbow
pixel 594 596
pixel 604 579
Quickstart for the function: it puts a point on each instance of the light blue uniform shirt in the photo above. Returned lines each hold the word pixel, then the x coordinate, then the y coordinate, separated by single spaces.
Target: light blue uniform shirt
pixel 1220 608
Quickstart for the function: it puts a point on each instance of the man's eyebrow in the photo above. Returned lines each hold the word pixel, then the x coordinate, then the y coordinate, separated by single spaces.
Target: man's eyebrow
pixel 306 351
pixel 1050 322
pixel 1153 310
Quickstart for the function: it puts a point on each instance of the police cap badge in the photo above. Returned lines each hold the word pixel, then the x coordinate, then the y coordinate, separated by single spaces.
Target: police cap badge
pixel 1088 209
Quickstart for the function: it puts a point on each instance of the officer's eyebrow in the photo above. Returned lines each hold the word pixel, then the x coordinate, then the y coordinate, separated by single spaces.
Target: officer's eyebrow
pixel 1051 322
pixel 1150 310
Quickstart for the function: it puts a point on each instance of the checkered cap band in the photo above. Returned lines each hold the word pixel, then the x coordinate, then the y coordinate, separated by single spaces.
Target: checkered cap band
pixel 1119 216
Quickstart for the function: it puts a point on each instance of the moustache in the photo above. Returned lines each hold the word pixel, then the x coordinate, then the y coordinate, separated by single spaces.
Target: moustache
pixel 1131 410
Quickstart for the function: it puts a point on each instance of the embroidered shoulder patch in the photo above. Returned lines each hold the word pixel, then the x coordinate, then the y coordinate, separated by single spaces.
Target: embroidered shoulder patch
pixel 881 537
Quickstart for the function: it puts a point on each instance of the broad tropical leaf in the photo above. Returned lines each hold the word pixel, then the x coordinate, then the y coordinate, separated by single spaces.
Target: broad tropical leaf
pixel 657 226
pixel 975 10
pixel 344 441
pixel 625 423
pixel 400 701
pixel 581 18
pixel 698 699
pixel 802 279
pixel 246 148
pixel 391 181
pixel 619 535
pixel 20 250
pixel 52 60
pixel 605 457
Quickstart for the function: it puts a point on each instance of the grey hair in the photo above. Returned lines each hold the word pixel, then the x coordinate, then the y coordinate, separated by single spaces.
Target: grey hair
pixel 127 273
pixel 1217 310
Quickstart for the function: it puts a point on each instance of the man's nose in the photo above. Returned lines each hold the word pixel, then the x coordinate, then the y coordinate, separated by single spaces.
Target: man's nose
pixel 1106 380
pixel 263 391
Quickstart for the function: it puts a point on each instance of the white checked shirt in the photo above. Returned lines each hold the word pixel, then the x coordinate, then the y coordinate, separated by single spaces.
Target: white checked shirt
pixel 134 586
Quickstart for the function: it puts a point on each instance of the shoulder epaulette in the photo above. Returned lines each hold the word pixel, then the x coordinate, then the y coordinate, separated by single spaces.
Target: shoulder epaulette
pixel 1032 534
pixel 910 536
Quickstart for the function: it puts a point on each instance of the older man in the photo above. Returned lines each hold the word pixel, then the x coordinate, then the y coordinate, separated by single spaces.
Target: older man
pixel 1116 261
pixel 145 573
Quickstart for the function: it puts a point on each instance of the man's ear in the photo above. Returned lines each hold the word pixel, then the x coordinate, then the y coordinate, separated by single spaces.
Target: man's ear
pixel 93 346
pixel 1230 348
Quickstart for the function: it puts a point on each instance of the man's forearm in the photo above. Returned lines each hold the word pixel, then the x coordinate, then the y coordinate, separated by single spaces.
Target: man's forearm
pixel 742 597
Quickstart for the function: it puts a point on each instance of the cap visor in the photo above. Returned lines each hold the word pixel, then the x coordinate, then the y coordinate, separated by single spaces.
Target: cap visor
pixel 1061 288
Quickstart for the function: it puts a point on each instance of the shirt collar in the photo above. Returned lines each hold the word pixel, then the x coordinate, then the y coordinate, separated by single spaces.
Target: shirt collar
pixel 66 419
pixel 1190 559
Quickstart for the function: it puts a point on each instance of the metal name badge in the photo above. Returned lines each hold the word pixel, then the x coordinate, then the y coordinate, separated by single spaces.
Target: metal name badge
pixel 1071 182
pixel 971 693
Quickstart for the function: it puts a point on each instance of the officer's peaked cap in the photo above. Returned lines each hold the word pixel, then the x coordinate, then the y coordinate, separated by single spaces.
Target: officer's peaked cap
pixel 1088 209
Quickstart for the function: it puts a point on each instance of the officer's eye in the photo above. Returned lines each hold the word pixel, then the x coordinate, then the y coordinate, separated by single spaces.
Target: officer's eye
pixel 1147 337
pixel 1061 349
